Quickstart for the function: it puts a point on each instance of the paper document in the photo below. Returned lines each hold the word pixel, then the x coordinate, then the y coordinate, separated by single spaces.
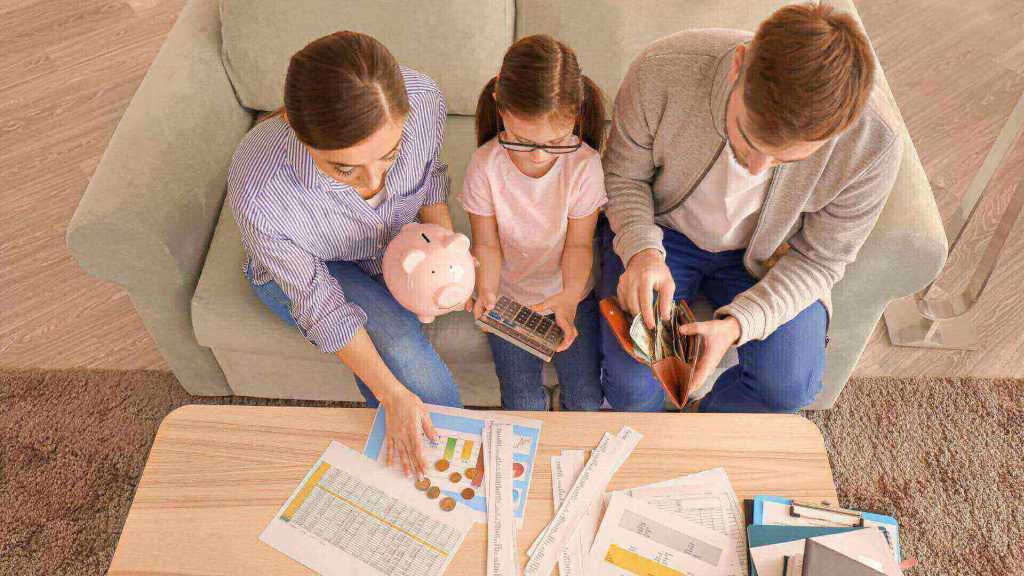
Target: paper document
pixel 502 551
pixel 707 499
pixel 604 461
pixel 637 539
pixel 564 470
pixel 455 463
pixel 351 517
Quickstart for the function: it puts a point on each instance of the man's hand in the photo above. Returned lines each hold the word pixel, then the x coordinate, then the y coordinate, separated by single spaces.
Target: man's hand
pixel 646 273
pixel 406 418
pixel 564 306
pixel 718 335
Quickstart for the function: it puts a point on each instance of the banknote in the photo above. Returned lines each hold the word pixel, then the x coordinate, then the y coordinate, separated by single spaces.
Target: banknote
pixel 642 338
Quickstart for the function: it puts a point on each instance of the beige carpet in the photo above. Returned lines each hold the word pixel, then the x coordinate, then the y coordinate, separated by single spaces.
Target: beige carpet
pixel 943 456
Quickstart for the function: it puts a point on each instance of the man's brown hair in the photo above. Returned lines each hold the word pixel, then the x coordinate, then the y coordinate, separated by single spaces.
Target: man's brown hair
pixel 809 72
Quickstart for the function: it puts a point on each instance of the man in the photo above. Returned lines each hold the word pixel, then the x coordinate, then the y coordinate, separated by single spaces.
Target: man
pixel 752 170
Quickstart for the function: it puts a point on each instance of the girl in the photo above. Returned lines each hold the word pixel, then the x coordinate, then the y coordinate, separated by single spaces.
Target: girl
pixel 533 190
pixel 319 190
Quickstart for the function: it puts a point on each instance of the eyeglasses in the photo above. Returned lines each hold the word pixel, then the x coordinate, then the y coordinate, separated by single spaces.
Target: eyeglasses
pixel 550 149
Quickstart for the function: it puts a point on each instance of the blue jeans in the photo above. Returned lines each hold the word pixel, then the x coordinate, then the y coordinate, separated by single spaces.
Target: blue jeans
pixel 781 373
pixel 579 368
pixel 394 331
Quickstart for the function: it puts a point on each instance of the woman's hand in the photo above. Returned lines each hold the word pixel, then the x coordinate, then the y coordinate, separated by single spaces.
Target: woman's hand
pixel 564 306
pixel 407 420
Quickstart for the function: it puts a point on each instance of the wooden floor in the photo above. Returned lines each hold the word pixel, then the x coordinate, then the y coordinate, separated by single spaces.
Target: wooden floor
pixel 68 69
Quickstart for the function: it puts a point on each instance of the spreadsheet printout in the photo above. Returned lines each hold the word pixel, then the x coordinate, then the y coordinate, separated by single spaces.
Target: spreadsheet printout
pixel 349 516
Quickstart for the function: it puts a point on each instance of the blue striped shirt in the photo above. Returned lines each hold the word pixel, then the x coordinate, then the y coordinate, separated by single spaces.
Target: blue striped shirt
pixel 294 218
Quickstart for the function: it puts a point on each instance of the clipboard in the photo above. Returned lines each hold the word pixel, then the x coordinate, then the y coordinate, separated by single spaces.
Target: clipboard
pixel 788 512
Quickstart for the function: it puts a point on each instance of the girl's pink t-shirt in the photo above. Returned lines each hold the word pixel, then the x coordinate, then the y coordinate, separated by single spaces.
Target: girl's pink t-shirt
pixel 532 214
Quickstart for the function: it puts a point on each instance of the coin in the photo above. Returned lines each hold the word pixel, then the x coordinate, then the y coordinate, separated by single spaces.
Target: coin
pixel 441 465
pixel 423 484
pixel 447 504
pixel 468 493
pixel 455 477
pixel 433 492
pixel 471 473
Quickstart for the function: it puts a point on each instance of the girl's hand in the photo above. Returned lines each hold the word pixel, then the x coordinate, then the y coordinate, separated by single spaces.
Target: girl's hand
pixel 482 304
pixel 564 307
pixel 407 419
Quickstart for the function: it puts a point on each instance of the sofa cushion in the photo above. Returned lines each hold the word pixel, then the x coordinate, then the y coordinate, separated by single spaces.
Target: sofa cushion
pixel 458 43
pixel 226 314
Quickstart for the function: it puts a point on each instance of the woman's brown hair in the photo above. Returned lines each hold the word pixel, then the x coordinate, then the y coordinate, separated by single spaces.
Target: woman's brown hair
pixel 540 76
pixel 341 89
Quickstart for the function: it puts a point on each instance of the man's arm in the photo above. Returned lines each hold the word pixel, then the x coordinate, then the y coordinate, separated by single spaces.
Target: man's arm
pixel 828 241
pixel 629 170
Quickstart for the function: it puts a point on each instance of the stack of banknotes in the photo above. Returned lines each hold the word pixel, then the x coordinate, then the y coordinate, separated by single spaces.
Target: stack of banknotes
pixel 664 340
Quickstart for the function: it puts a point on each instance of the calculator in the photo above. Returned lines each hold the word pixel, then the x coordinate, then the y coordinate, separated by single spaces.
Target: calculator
pixel 529 330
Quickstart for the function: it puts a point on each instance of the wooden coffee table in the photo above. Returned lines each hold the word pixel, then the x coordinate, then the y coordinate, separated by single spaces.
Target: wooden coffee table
pixel 217 474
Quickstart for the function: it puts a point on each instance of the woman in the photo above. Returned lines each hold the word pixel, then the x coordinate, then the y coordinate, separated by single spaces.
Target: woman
pixel 318 191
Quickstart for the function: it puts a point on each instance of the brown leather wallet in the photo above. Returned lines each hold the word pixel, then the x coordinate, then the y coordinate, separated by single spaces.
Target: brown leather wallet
pixel 675 371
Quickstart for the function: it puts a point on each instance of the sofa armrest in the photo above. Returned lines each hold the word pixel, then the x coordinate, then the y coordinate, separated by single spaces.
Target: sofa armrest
pixel 905 251
pixel 147 216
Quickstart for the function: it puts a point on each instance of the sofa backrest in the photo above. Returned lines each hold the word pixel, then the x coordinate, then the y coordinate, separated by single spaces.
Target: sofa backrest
pixel 458 43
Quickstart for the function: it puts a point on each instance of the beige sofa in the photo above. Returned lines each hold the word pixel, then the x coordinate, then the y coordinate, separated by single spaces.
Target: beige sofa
pixel 153 220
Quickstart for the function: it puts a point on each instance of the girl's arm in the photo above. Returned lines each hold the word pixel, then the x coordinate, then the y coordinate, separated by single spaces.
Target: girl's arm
pixel 578 256
pixel 577 263
pixel 436 214
pixel 487 250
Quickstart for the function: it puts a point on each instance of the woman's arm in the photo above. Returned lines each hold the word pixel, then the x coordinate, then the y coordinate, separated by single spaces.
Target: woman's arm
pixel 487 250
pixel 404 411
pixel 436 214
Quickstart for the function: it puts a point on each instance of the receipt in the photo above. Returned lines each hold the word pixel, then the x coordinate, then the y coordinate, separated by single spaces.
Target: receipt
pixel 564 470
pixel 604 461
pixel 498 449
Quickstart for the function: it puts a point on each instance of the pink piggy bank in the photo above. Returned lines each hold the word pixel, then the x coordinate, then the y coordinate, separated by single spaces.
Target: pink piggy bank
pixel 429 270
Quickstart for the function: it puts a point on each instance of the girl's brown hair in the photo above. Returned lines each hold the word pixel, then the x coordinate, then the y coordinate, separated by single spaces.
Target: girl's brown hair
pixel 540 76
pixel 341 89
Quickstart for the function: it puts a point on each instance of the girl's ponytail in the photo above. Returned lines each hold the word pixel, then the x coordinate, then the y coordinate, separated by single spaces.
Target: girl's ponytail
pixel 592 115
pixel 487 114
